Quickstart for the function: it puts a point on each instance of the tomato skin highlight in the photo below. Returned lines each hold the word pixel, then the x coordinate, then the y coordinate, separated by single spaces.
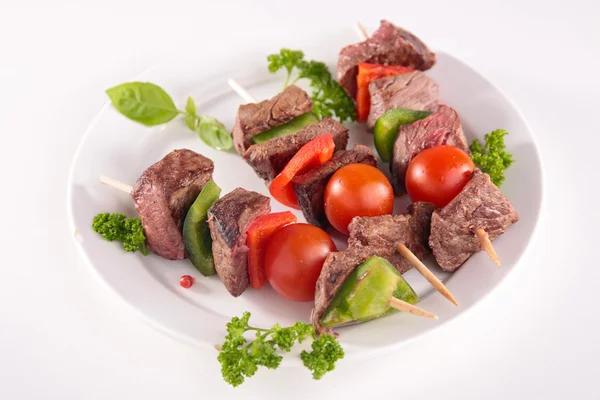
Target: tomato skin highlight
pixel 313 154
pixel 294 258
pixel 258 235
pixel 438 174
pixel 357 190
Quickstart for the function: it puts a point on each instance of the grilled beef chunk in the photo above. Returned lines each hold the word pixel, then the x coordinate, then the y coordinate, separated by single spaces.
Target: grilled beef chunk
pixel 441 127
pixel 310 186
pixel 228 220
pixel 163 195
pixel 372 236
pixel 479 205
pixel 270 157
pixel 412 90
pixel 389 45
pixel 336 269
pixel 255 118
pixel 382 234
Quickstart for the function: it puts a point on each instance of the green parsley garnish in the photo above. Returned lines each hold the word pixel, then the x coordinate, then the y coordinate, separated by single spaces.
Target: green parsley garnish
pixel 329 98
pixel 117 227
pixel 494 159
pixel 240 358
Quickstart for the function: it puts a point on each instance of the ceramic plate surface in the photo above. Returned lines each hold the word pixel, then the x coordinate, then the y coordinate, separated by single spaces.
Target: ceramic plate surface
pixel 120 148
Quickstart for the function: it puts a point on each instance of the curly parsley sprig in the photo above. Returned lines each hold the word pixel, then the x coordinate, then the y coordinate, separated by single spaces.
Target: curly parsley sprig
pixel 329 98
pixel 240 358
pixel 493 159
pixel 128 231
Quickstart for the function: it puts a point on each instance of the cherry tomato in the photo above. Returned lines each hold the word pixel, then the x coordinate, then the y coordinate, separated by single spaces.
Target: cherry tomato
pixel 186 281
pixel 438 174
pixel 357 190
pixel 294 258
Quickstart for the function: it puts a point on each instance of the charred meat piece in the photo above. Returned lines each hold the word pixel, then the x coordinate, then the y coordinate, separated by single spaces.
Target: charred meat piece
pixel 479 205
pixel 412 90
pixel 228 220
pixel 382 234
pixel 270 157
pixel 441 127
pixel 336 269
pixel 255 118
pixel 163 195
pixel 310 186
pixel 389 45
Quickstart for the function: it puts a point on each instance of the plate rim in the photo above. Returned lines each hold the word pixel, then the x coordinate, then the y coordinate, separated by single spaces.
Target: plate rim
pixel 355 355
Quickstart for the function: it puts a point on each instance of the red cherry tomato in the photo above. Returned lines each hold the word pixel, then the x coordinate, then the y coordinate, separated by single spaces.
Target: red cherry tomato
pixel 438 174
pixel 186 281
pixel 294 258
pixel 357 190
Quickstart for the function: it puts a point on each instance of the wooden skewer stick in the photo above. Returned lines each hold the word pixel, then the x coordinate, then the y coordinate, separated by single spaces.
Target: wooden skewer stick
pixel 486 244
pixel 410 308
pixel 239 89
pixel 116 184
pixel 361 31
pixel 423 270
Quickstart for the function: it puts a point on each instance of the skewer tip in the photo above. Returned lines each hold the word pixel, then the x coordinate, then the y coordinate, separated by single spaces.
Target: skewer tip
pixel 401 305
pixel 361 31
pixel 486 244
pixel 241 91
pixel 115 184
pixel 427 274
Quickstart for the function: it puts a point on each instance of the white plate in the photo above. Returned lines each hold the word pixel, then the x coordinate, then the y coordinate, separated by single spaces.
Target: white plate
pixel 120 148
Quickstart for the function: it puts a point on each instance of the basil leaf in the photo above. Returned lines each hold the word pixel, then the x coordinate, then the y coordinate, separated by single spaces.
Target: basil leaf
pixel 191 120
pixel 143 102
pixel 214 134
pixel 190 106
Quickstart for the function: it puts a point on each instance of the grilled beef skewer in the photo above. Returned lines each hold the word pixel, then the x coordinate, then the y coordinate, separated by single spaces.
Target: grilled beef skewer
pixel 382 234
pixel 255 118
pixel 480 205
pixel 401 240
pixel 310 186
pixel 412 90
pixel 162 196
pixel 229 219
pixel 269 158
pixel 388 45
pixel 440 128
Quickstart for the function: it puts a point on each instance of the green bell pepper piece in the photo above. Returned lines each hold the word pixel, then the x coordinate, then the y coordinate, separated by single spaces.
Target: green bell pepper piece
pixel 196 235
pixel 288 128
pixel 386 129
pixel 366 294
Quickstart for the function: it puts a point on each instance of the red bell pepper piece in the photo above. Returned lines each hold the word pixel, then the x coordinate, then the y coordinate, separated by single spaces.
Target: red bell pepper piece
pixel 313 154
pixel 258 235
pixel 367 73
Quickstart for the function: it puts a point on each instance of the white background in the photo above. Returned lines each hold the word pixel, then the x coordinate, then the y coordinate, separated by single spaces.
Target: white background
pixel 64 336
